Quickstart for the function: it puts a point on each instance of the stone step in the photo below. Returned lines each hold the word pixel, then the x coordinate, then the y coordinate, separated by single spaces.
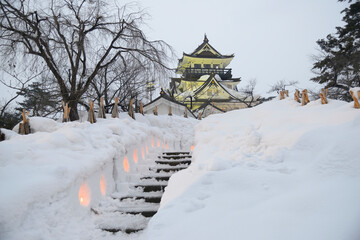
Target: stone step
pixel 176 153
pixel 146 198
pixel 151 188
pixel 116 222
pixel 168 169
pixel 173 162
pixel 127 230
pixel 145 213
pixel 175 157
pixel 159 178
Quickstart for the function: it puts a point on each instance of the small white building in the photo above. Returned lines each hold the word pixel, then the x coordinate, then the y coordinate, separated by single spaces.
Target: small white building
pixel 163 104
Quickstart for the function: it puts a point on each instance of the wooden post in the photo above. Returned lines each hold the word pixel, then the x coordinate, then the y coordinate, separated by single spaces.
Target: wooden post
pixel 297 95
pixel 199 116
pixel 323 94
pixel 356 102
pixel 115 113
pixel 305 97
pixel 282 96
pixel 131 109
pixel 287 93
pixel 66 109
pixel 170 113
pixel 141 108
pixel 155 111
pixel 101 113
pixel 24 127
pixel 91 116
pixel 185 113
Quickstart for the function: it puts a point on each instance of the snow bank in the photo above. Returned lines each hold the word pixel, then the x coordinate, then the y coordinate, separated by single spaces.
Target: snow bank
pixel 276 171
pixel 44 176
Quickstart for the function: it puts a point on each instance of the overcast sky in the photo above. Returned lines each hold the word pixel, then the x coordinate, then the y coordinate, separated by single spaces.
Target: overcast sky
pixel 272 39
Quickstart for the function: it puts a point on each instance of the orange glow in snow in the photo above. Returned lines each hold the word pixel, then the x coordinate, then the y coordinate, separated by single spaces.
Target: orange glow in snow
pixel 135 156
pixel 152 142
pixel 126 164
pixel 158 143
pixel 146 149
pixel 84 194
pixel 142 153
pixel 103 185
pixel 166 146
pixel 192 147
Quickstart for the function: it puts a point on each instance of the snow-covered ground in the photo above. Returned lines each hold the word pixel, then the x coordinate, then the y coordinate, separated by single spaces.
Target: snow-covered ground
pixel 44 176
pixel 276 171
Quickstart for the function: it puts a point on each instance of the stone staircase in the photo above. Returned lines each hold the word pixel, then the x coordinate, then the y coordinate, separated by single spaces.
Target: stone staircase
pixel 131 212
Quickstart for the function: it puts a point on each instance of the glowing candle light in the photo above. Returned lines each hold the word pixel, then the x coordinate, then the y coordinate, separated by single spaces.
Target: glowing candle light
pixel 135 156
pixel 84 194
pixel 152 142
pixel 103 185
pixel 146 149
pixel 166 146
pixel 142 153
pixel 158 143
pixel 126 164
pixel 192 147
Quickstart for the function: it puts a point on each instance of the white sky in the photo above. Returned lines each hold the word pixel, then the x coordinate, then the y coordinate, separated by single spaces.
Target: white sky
pixel 272 39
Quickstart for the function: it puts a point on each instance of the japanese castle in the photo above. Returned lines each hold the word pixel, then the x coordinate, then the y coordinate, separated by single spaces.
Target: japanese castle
pixel 206 84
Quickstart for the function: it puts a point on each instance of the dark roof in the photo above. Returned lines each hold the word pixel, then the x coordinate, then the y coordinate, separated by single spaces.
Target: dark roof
pixel 208 82
pixel 207 54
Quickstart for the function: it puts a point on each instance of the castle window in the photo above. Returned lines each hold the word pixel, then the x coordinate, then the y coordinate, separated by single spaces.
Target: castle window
pixel 207 65
pixel 197 65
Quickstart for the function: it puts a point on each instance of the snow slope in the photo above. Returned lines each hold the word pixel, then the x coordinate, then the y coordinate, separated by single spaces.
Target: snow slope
pixel 41 173
pixel 277 171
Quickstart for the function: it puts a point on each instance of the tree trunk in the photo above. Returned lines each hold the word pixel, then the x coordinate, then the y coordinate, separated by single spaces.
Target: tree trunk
pixel 74 115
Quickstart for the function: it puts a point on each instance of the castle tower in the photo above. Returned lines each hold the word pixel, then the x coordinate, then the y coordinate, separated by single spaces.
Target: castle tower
pixel 206 84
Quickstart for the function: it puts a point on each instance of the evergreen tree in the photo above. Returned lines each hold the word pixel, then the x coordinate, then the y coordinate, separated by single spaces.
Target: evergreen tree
pixel 338 67
pixel 39 100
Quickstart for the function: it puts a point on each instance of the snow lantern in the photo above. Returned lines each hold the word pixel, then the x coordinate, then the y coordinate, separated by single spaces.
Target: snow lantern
pixel 126 164
pixel 84 194
pixel 103 185
pixel 152 141
pixel 192 148
pixel 142 153
pixel 158 143
pixel 135 156
pixel 146 149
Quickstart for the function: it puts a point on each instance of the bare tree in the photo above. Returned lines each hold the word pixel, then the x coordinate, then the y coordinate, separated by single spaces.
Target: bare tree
pixel 250 99
pixel 75 40
pixel 16 82
pixel 122 81
pixel 281 86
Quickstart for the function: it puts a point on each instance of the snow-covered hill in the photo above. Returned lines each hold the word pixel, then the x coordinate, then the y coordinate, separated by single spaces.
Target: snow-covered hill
pixel 42 174
pixel 276 171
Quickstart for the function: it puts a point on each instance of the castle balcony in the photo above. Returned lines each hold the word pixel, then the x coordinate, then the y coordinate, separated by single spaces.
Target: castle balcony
pixel 196 73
